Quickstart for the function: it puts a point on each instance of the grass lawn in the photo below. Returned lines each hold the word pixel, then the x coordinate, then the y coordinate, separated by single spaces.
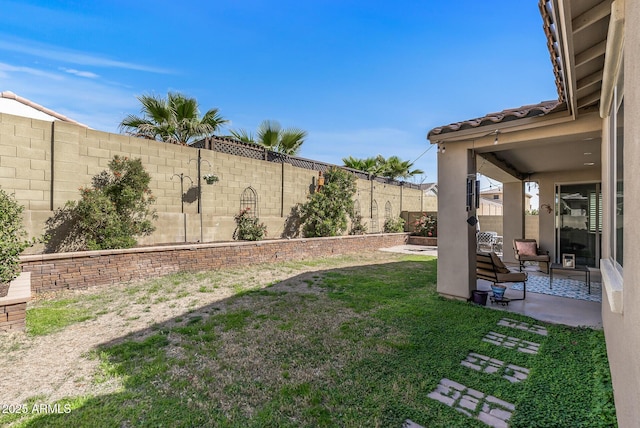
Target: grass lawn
pixel 350 347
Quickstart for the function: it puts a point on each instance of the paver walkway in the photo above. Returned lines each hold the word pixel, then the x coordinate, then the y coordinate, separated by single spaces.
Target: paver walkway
pixel 479 405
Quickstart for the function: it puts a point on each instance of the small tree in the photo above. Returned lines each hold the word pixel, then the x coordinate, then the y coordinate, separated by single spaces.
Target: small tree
pixel 326 211
pixel 248 227
pixel 13 237
pixel 110 213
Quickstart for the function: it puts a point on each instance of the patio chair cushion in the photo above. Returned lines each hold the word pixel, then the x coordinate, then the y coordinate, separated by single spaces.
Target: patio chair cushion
pixel 527 248
pixel 511 277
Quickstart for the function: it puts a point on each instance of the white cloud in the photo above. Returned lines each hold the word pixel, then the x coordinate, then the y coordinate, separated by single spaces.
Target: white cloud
pixel 79 73
pixel 6 69
pixel 73 57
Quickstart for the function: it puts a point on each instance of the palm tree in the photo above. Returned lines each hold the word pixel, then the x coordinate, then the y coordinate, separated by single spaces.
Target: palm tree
pixel 173 120
pixel 392 167
pixel 370 165
pixel 396 168
pixel 271 135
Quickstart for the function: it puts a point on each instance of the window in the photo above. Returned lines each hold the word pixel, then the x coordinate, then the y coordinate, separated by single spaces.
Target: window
pixel 496 196
pixel 619 199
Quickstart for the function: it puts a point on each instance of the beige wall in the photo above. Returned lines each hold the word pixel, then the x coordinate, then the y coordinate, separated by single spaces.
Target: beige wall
pixel 622 319
pixel 46 163
pixel 493 223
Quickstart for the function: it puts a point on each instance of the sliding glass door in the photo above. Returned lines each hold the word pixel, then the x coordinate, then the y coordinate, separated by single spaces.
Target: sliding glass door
pixel 579 222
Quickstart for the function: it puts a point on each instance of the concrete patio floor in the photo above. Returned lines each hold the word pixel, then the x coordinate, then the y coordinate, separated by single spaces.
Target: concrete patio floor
pixel 552 309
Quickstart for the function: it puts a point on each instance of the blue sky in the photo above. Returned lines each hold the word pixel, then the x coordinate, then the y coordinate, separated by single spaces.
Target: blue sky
pixel 361 77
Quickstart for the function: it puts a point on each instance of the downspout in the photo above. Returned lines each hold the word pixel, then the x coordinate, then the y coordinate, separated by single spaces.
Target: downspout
pixel 282 190
pixel 52 166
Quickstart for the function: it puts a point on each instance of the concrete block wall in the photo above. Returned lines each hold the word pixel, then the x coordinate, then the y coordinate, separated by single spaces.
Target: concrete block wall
pixel 45 164
pixel 493 223
pixel 25 160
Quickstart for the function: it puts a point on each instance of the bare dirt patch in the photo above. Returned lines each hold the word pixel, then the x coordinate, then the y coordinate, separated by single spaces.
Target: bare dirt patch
pixel 60 364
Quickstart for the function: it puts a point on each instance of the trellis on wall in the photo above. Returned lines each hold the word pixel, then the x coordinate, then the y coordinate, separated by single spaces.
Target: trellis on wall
pixel 374 216
pixel 387 211
pixel 249 199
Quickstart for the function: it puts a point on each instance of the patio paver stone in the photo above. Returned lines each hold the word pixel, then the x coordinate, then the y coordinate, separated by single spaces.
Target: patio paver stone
pixel 531 328
pixel 485 408
pixel 482 363
pixel 511 342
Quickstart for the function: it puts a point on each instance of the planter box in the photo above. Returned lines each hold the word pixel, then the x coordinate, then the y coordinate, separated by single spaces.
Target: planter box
pixel 423 240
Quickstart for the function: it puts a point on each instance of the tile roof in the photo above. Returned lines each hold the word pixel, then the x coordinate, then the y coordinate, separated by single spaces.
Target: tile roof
pixel 11 96
pixel 532 110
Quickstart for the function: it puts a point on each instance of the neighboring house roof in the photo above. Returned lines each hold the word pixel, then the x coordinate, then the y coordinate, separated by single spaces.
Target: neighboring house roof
pixel 431 188
pixel 14 104
pixel 496 202
pixel 533 110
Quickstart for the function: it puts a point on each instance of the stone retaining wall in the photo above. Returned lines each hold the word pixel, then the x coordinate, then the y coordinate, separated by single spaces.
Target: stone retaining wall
pixel 53 272
pixel 13 307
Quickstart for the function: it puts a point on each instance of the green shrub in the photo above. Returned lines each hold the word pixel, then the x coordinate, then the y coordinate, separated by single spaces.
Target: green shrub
pixel 109 214
pixel 426 225
pixel 394 225
pixel 13 237
pixel 326 211
pixel 248 227
pixel 357 226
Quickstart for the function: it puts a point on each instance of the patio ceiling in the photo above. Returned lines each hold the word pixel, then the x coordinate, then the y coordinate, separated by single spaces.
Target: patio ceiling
pixel 576 38
pixel 567 153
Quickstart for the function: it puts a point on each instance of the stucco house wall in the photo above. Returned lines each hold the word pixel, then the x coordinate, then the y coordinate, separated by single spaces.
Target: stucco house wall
pixel 621 299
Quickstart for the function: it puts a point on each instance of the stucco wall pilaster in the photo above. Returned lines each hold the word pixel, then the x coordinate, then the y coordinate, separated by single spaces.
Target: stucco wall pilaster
pixel 513 208
pixel 456 238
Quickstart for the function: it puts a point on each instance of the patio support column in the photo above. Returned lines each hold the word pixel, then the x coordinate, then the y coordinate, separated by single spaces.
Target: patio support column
pixel 513 217
pixel 456 238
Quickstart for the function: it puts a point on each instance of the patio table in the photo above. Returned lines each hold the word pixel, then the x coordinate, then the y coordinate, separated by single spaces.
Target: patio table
pixel 579 268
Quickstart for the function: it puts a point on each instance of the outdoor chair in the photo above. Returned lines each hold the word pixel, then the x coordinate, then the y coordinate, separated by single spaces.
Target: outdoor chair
pixel 486 241
pixel 490 268
pixel 526 250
